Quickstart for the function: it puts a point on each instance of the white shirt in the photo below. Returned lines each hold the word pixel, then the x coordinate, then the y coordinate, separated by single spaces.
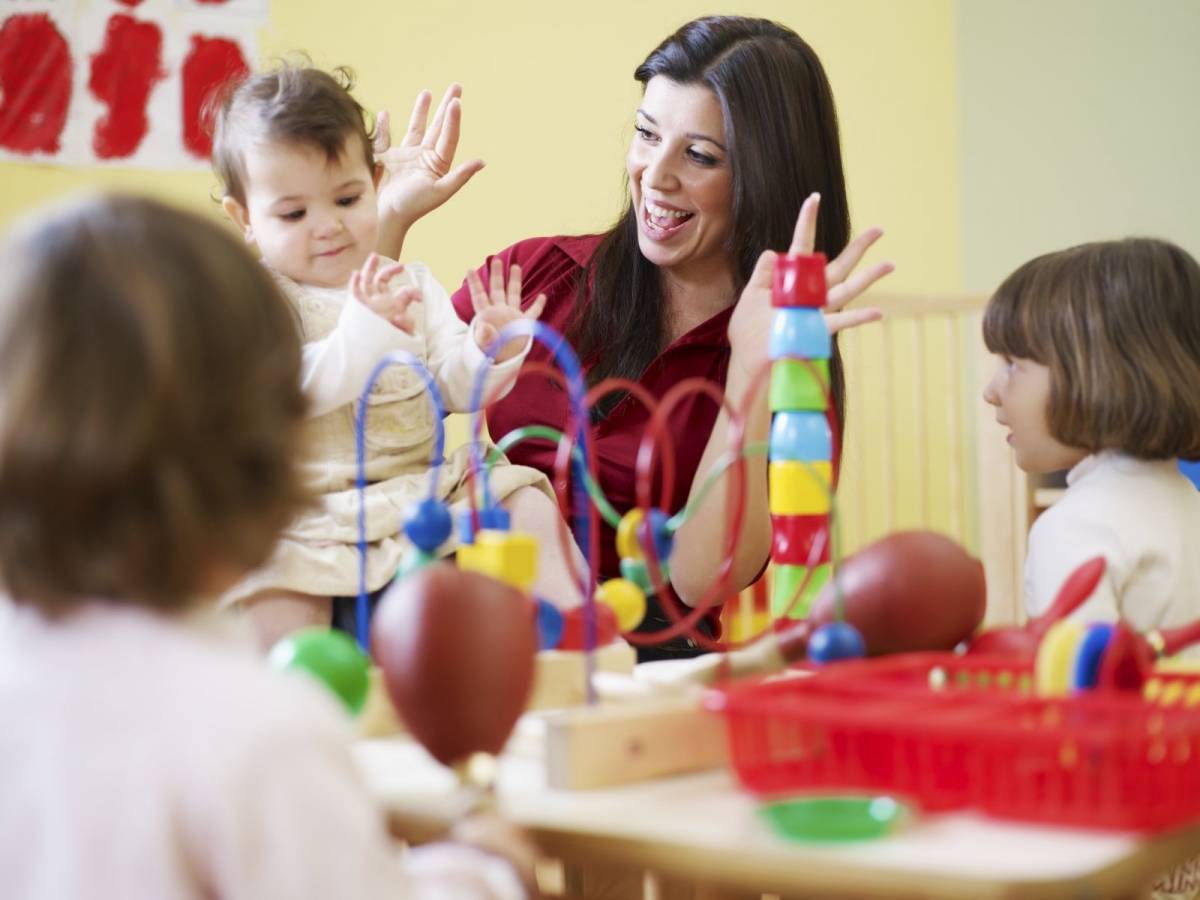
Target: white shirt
pixel 142 756
pixel 335 368
pixel 1144 519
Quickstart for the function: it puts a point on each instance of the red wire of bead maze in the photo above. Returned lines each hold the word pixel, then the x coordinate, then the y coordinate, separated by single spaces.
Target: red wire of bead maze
pixel 657 441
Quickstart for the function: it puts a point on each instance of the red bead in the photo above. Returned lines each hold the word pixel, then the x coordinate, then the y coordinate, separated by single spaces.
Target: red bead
pixel 572 635
pixel 793 537
pixel 799 281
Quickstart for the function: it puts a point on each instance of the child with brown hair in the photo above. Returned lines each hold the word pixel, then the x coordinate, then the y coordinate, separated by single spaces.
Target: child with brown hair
pixel 293 151
pixel 1100 374
pixel 149 413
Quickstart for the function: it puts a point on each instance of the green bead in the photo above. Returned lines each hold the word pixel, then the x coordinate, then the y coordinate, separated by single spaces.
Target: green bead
pixel 795 386
pixel 332 657
pixel 786 580
pixel 637 571
pixel 412 560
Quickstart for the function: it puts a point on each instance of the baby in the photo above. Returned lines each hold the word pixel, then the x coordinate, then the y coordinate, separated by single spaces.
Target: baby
pixel 293 151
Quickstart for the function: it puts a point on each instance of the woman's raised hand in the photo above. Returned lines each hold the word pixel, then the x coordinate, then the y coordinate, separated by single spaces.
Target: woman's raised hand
pixel 417 176
pixel 750 325
pixel 497 306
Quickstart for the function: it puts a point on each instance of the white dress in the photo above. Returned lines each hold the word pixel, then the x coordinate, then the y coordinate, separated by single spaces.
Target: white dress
pixel 318 554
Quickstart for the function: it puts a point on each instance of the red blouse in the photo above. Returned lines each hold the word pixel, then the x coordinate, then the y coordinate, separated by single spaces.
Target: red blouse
pixel 552 266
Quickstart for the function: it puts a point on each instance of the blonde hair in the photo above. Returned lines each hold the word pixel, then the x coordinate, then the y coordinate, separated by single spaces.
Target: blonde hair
pixel 1118 325
pixel 149 404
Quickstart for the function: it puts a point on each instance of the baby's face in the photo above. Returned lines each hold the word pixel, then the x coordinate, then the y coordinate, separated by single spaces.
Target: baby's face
pixel 314 221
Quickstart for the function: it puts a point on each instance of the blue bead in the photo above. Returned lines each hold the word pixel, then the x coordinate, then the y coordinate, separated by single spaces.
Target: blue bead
pixel 549 625
pixel 798 333
pixel 1088 657
pixel 800 435
pixel 664 541
pixel 834 641
pixel 427 523
pixel 494 518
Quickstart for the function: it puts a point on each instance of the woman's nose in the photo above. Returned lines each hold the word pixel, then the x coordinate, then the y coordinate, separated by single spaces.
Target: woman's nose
pixel 659 173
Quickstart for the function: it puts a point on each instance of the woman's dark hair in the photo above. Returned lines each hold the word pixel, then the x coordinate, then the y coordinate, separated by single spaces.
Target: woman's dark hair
pixel 781 132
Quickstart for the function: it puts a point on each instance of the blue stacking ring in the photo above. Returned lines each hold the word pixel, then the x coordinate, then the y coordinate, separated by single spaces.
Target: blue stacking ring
pixel 1087 659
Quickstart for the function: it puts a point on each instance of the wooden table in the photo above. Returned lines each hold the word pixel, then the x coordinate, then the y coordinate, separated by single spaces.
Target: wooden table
pixel 702 829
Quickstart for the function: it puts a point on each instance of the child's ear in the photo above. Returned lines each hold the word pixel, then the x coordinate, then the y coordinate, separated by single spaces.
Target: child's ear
pixel 240 216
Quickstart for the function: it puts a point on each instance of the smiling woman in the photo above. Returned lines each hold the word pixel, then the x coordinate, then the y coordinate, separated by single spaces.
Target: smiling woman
pixel 735 133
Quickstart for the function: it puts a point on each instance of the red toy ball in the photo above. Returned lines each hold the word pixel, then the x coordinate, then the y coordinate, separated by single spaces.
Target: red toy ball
pixel 457 652
pixel 913 590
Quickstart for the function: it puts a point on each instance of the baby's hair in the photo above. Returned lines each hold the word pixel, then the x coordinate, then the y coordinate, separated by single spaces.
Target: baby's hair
pixel 1118 325
pixel 150 405
pixel 294 105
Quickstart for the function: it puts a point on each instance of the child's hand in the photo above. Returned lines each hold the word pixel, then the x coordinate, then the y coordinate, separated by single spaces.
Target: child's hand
pixel 417 177
pixel 369 286
pixel 499 837
pixel 496 308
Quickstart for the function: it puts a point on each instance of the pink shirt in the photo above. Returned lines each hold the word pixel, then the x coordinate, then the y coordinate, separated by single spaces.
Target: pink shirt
pixel 146 755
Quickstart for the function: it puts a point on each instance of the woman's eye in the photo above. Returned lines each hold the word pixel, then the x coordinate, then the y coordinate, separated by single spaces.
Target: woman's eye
pixel 644 133
pixel 702 158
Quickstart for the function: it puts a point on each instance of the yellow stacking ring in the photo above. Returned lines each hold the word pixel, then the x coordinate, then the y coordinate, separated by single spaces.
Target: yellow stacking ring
pixel 1055 664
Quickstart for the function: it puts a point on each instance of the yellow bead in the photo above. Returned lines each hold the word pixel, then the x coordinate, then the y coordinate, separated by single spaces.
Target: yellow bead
pixel 800 488
pixel 508 556
pixel 627 536
pixel 625 599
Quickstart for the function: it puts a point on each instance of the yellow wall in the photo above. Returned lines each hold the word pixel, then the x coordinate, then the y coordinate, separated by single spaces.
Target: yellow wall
pixel 1084 128
pixel 549 98
pixel 548 103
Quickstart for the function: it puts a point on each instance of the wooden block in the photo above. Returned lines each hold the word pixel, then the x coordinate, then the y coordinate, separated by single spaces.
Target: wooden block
pixel 595 747
pixel 558 679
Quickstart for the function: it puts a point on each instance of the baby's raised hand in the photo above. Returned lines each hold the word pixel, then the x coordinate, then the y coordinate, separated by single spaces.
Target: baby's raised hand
pixel 496 307
pixel 417 173
pixel 370 287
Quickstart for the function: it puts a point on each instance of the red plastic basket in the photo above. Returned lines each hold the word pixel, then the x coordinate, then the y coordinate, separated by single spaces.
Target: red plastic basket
pixel 951 732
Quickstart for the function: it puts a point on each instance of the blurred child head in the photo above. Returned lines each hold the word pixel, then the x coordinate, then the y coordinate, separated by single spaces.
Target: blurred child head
pixel 1101 351
pixel 149 406
pixel 294 152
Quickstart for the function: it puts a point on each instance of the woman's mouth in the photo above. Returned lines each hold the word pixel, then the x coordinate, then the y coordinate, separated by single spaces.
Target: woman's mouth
pixel 661 223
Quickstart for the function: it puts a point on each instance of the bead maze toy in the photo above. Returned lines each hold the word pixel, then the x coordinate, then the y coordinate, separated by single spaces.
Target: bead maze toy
pixel 817 616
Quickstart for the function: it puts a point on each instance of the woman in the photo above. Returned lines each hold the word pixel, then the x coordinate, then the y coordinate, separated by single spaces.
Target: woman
pixel 736 144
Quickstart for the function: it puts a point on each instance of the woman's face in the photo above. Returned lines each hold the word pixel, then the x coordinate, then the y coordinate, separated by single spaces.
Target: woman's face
pixel 681 180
